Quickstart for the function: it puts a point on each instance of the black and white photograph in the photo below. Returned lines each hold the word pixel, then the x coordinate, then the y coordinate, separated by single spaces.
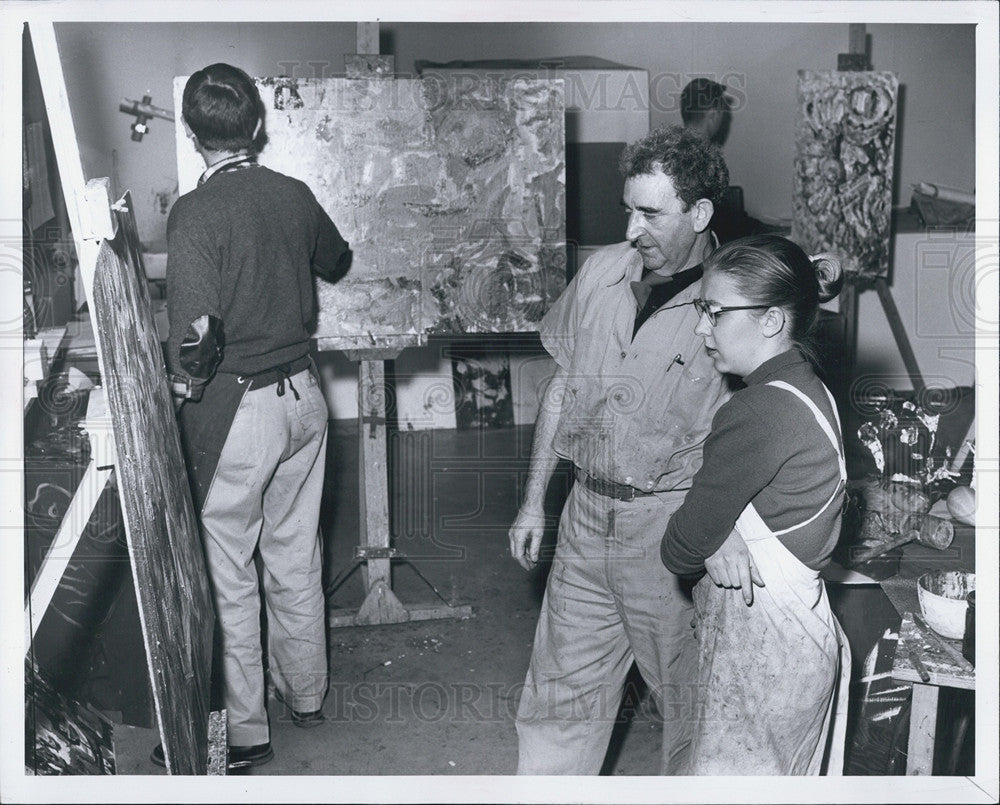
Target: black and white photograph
pixel 578 401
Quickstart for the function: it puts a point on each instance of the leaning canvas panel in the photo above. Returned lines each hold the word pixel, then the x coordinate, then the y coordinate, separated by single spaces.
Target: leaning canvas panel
pixel 175 604
pixel 450 191
pixel 845 144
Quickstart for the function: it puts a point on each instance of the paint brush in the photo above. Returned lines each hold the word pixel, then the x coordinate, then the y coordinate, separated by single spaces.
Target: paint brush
pixel 914 657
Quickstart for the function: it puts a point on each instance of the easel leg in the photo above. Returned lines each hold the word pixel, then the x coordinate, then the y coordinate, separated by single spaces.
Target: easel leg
pixel 381 604
pixel 849 313
pixel 899 333
pixel 218 742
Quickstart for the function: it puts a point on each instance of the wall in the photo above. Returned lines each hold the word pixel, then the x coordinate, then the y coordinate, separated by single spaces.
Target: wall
pixel 761 62
pixel 106 62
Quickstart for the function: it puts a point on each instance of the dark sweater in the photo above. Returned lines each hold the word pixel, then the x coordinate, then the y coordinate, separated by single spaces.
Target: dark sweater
pixel 766 448
pixel 242 248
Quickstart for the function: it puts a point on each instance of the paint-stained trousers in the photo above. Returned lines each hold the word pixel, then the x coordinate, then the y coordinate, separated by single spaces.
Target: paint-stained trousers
pixel 266 493
pixel 609 600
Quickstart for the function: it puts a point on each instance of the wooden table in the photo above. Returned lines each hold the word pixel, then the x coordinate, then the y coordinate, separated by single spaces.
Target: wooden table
pixel 943 670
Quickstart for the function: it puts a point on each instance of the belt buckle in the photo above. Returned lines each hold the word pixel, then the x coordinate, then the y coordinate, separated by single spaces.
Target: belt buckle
pixel 631 495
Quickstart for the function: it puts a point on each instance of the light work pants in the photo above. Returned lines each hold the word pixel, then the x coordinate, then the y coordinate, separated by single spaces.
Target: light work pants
pixel 266 493
pixel 609 600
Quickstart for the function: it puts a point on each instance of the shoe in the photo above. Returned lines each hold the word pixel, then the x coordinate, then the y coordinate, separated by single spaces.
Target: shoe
pixel 304 719
pixel 256 755
pixel 239 756
pixel 158 757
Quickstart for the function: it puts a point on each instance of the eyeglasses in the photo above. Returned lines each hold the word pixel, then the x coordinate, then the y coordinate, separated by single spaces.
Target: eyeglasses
pixel 702 307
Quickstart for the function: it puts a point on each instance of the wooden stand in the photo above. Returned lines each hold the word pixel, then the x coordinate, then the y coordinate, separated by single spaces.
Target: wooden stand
pixel 857 59
pixel 944 668
pixel 848 308
pixel 853 286
pixel 381 606
pixel 899 334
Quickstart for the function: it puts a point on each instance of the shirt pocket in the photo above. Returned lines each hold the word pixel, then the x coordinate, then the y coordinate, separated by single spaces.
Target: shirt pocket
pixel 682 419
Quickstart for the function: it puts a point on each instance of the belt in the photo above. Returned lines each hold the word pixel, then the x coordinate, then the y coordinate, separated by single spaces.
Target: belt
pixel 609 489
pixel 268 377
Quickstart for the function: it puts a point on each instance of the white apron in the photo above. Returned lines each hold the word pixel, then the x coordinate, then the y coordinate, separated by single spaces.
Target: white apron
pixel 773 677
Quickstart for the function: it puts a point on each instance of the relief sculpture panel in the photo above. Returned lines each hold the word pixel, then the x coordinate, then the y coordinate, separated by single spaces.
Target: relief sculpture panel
pixel 845 138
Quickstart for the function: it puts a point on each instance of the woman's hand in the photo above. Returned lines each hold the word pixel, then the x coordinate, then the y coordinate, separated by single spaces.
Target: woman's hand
pixel 732 567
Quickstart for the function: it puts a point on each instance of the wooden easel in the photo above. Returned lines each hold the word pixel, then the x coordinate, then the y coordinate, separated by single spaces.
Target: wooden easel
pixel 853 286
pixel 856 59
pixel 165 552
pixel 375 553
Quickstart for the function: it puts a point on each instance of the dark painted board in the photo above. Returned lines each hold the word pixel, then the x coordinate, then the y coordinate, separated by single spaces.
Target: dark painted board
pixel 164 544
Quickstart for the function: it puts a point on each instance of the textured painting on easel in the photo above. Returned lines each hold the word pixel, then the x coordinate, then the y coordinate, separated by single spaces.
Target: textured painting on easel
pixel 450 191
pixel 845 138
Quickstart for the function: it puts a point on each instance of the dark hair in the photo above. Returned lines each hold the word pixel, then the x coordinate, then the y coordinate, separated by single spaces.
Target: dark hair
pixel 771 270
pixel 222 106
pixel 695 165
pixel 700 96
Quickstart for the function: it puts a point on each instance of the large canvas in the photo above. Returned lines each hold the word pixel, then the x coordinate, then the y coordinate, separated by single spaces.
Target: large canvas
pixel 451 192
pixel 168 566
pixel 845 138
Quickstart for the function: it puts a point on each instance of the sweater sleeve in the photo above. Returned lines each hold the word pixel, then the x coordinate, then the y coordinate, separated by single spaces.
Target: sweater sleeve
pixel 332 255
pixel 196 336
pixel 741 457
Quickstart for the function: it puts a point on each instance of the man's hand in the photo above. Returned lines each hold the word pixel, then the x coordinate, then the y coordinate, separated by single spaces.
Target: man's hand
pixel 732 566
pixel 526 537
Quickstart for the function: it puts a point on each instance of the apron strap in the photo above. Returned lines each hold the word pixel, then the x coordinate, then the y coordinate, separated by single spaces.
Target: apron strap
pixel 824 423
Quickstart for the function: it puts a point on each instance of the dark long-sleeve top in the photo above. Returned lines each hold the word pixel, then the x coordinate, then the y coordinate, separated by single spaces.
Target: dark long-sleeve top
pixel 242 249
pixel 765 448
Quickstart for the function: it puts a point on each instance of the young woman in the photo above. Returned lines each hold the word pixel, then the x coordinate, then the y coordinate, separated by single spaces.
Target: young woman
pixel 761 519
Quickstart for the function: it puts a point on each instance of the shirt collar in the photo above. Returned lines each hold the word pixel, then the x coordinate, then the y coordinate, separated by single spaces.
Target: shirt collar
pixel 223 164
pixel 776 365
pixel 662 289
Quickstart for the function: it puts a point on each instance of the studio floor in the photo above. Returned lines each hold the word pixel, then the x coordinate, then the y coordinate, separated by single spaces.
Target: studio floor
pixel 431 697
pixel 438 697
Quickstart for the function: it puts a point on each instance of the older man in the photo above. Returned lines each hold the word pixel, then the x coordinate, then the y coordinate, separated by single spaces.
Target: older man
pixel 630 404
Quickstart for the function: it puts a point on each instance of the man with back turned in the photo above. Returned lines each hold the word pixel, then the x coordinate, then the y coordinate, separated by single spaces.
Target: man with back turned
pixel 243 247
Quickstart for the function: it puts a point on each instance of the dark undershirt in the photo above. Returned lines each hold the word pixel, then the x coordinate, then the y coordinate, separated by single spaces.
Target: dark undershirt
pixel 654 290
